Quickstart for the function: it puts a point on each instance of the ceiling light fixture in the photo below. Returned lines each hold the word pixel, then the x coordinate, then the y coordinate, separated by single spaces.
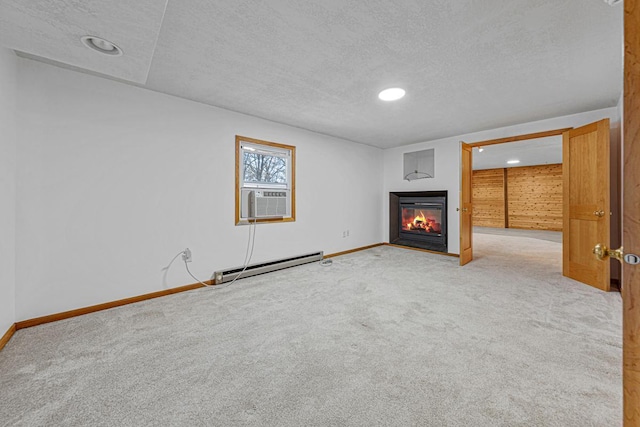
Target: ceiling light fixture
pixel 101 45
pixel 480 150
pixel 391 94
pixel 513 162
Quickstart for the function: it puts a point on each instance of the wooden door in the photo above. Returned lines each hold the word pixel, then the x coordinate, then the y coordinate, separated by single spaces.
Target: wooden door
pixel 466 209
pixel 631 215
pixel 585 173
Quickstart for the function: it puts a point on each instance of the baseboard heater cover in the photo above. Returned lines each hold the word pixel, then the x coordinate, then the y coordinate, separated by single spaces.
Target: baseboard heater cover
pixel 265 267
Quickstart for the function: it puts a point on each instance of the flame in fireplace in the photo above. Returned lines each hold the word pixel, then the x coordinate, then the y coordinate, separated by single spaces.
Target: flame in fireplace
pixel 422 223
pixel 418 222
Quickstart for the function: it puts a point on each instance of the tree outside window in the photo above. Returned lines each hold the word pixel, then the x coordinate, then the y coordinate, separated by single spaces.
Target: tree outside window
pixel 264 168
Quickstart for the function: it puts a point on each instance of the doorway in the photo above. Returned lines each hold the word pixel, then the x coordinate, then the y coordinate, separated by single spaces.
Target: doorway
pixel 519 185
pixel 517 201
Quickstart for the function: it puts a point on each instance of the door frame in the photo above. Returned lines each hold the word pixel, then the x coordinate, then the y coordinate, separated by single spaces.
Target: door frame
pixel 506 140
pixel 630 224
pixel 523 137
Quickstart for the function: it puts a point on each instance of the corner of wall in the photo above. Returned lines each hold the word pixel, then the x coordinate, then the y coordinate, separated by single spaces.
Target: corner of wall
pixel 8 137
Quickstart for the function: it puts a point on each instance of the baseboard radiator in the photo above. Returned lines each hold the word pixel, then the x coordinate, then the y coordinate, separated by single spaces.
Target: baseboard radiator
pixel 265 267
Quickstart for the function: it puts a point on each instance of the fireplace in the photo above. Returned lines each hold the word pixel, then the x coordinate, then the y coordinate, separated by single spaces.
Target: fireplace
pixel 419 219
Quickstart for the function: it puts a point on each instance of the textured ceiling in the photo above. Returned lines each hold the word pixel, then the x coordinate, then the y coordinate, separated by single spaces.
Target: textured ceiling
pixel 541 151
pixel 467 65
pixel 52 30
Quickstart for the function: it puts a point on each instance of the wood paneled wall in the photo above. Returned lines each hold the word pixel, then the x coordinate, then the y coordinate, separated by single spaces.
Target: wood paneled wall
pixel 489 198
pixel 531 197
pixel 534 195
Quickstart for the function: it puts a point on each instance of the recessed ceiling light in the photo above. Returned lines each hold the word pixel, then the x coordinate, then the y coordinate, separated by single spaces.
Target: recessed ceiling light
pixel 391 94
pixel 101 45
pixel 513 162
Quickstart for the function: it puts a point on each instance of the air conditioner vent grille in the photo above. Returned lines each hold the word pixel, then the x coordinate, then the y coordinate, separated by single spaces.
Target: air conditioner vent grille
pixel 268 204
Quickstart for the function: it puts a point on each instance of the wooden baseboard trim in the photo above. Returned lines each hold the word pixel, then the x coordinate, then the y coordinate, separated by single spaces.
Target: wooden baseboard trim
pixel 7 336
pixel 350 251
pixel 105 306
pixel 422 250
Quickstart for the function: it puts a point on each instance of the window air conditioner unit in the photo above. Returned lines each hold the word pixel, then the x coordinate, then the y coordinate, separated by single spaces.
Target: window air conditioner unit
pixel 268 203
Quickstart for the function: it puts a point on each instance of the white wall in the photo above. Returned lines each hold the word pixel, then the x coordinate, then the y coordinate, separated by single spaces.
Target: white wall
pixel 447 159
pixel 114 180
pixel 8 94
pixel 446 177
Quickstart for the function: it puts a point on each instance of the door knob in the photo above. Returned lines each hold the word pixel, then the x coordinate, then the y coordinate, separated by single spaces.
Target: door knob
pixel 602 252
pixel 599 213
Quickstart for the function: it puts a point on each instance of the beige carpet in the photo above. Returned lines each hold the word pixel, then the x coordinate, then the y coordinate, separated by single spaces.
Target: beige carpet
pixel 552 236
pixel 387 336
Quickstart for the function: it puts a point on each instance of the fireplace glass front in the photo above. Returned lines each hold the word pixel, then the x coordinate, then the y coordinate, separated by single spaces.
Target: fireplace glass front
pixel 422 219
pixel 421 223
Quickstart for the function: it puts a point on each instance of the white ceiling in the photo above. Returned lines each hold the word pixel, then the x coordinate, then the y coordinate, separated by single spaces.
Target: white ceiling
pixel 467 65
pixel 540 151
pixel 52 30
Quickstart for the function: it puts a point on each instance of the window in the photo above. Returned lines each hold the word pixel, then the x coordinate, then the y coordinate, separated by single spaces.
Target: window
pixel 265 181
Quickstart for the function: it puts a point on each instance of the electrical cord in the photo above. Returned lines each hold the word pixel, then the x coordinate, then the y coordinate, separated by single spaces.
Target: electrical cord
pixel 184 258
pixel 189 271
pixel 171 262
pixel 251 242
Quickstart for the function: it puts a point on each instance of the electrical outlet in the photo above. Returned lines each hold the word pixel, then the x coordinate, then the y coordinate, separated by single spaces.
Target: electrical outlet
pixel 344 234
pixel 186 255
pixel 347 233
